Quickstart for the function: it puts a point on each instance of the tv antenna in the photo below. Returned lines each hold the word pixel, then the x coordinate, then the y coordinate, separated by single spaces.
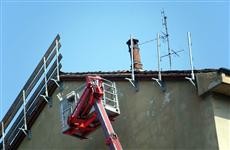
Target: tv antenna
pixel 165 36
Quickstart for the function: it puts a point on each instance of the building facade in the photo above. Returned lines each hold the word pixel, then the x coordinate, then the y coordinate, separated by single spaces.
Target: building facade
pixel 181 117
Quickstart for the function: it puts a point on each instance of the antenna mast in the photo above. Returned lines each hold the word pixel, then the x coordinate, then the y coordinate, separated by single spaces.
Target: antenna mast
pixel 166 35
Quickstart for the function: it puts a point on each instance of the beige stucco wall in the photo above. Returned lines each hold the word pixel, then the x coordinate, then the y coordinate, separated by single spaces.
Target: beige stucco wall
pixel 150 119
pixel 221 107
pixel 216 86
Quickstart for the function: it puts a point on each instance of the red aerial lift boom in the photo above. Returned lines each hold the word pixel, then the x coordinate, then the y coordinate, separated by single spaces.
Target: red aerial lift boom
pixel 89 113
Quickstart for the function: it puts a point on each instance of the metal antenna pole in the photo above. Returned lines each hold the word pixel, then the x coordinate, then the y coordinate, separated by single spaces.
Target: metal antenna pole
pixel 167 37
pixel 3 137
pixel 192 78
pixel 190 55
pixel 159 80
pixel 132 80
pixel 158 56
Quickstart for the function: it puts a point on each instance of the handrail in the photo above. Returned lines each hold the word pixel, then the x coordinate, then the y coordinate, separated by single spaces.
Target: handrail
pixel 32 102
pixel 40 72
pixel 33 81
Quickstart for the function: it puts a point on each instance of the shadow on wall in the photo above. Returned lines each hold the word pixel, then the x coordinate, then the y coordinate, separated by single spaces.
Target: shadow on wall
pixel 221 106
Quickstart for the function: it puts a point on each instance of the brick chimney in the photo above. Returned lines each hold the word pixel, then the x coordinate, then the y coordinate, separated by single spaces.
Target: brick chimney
pixel 136 54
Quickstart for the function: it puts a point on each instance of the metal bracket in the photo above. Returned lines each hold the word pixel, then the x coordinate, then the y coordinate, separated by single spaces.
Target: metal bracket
pixel 160 83
pixel 47 99
pixel 61 87
pixel 27 132
pixel 131 81
pixel 134 83
pixel 56 82
pixel 191 81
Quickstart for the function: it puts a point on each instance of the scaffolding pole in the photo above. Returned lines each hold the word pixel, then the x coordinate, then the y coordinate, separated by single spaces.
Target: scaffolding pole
pixel 192 78
pixel 190 55
pixel 159 79
pixel 3 137
pixel 132 80
pixel 24 110
pixel 46 96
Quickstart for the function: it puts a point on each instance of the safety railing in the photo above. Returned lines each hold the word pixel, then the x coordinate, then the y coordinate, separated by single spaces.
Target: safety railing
pixel 33 92
pixel 110 99
pixel 69 101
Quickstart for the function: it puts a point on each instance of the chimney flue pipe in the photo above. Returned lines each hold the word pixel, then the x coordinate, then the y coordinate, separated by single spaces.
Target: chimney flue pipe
pixel 136 54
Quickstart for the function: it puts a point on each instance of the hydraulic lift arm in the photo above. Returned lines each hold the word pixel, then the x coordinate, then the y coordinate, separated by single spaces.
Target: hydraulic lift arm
pixel 83 120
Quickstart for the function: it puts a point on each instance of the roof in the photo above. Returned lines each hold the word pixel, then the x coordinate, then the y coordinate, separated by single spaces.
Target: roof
pixel 224 70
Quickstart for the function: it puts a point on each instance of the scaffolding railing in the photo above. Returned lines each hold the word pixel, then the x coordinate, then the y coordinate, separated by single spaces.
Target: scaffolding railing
pixel 36 88
pixel 69 101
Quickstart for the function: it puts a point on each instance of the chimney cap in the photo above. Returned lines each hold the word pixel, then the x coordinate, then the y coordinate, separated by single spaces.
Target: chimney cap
pixel 135 41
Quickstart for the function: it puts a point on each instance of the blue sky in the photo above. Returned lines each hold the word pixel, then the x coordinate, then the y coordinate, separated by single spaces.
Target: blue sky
pixel 94 35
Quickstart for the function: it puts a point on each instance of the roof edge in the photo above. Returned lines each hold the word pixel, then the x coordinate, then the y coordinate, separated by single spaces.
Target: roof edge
pixel 139 75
